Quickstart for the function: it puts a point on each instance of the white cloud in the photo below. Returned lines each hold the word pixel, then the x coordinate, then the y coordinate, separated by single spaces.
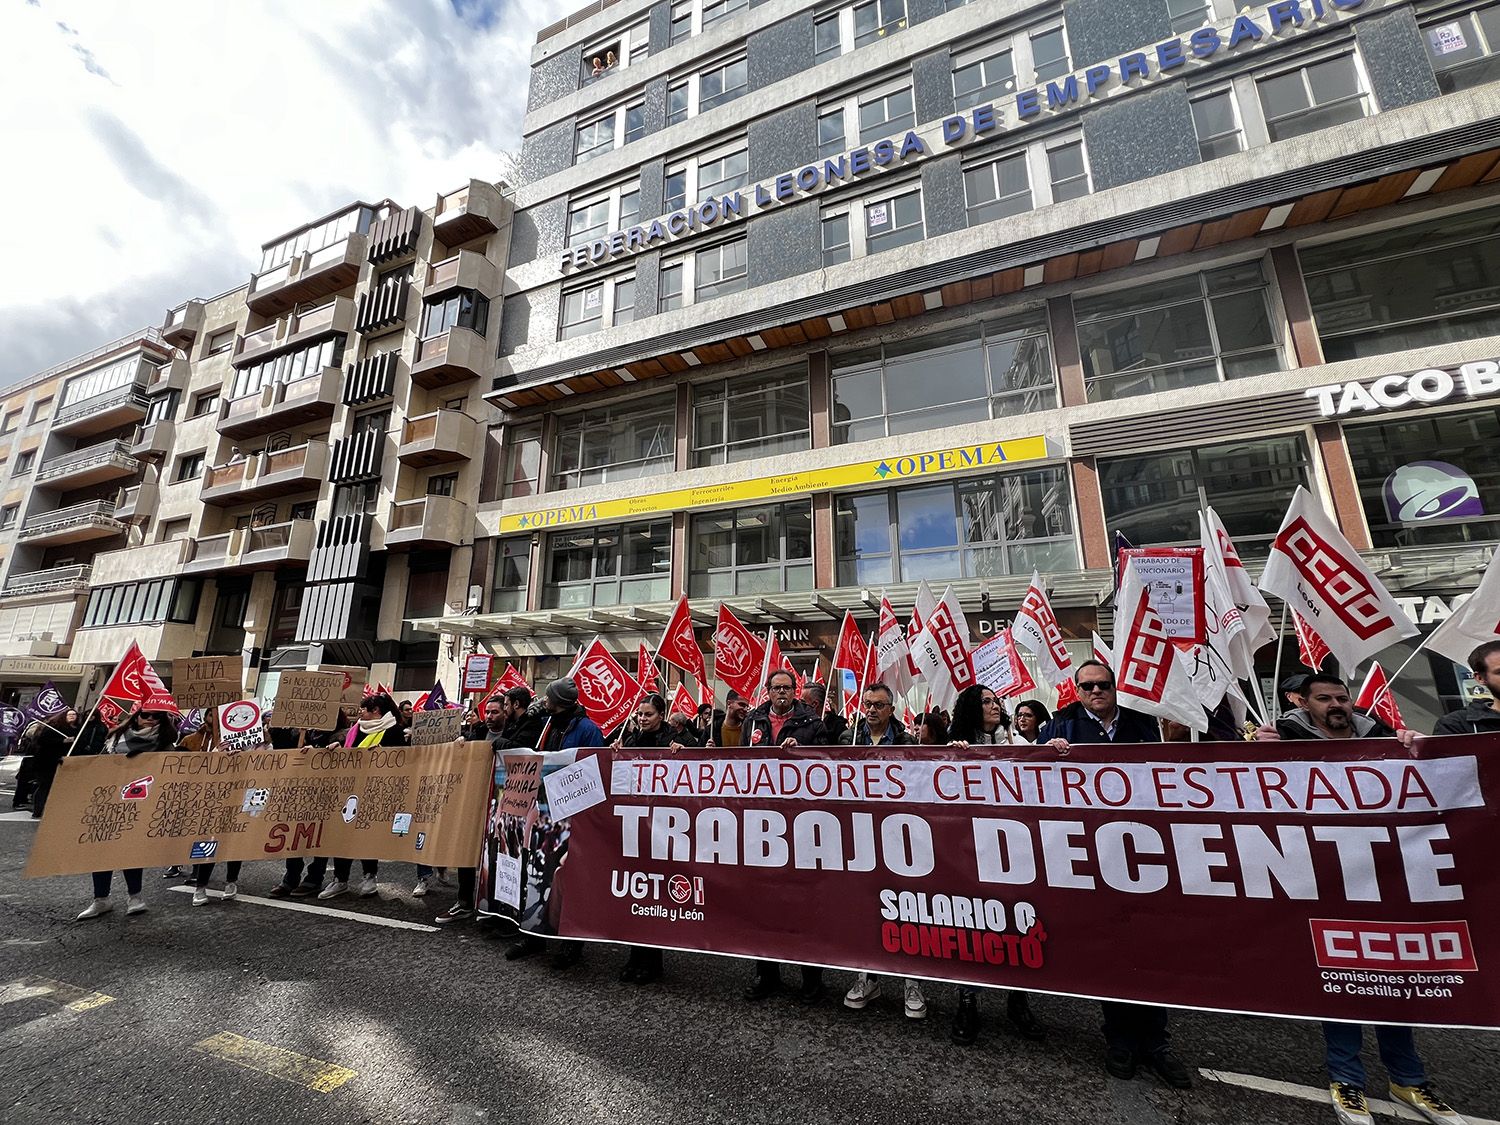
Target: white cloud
pixel 153 145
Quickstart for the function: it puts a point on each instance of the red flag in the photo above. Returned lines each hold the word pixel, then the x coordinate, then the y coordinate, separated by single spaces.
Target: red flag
pixel 608 692
pixel 649 680
pixel 1311 649
pixel 737 654
pixel 1375 699
pixel 705 694
pixel 817 676
pixel 510 678
pixel 851 652
pixel 909 719
pixel 1067 693
pixel 420 703
pixel 679 646
pixel 134 683
pixel 682 702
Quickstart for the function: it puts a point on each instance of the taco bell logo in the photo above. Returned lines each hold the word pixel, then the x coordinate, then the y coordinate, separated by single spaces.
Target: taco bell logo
pixel 1430 490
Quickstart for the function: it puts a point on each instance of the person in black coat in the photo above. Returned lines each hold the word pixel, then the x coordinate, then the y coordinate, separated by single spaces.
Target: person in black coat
pixel 1483 716
pixel 1136 1034
pixel 652 732
pixel 781 720
pixel 51 739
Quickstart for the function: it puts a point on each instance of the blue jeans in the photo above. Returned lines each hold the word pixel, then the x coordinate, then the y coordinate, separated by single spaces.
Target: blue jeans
pixel 1398 1051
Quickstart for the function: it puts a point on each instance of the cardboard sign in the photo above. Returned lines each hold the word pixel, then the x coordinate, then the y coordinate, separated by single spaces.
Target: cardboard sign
pixel 432 728
pixel 308 700
pixel 523 778
pixel 477 672
pixel 207 681
pixel 158 809
pixel 241 726
pixel 572 790
pixel 1175 577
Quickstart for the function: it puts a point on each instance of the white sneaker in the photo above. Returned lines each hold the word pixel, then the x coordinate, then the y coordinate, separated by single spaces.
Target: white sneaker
pixel 442 878
pixel 421 888
pixel 200 896
pixel 367 887
pixel 334 889
pixel 135 904
pixel 1428 1104
pixel 94 909
pixel 916 1003
pixel 864 989
pixel 231 890
pixel 1349 1104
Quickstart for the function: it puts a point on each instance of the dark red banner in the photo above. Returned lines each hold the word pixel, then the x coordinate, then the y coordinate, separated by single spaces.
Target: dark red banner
pixel 1291 879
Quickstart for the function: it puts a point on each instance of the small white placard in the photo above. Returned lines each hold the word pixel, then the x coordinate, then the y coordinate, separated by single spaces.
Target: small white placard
pixel 508 880
pixel 571 790
pixel 1448 38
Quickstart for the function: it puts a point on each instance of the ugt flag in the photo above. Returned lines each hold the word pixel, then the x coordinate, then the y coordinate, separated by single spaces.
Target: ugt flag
pixel 679 645
pixel 134 683
pixel 737 654
pixel 607 692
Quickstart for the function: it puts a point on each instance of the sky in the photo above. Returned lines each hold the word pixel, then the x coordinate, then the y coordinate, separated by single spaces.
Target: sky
pixel 152 146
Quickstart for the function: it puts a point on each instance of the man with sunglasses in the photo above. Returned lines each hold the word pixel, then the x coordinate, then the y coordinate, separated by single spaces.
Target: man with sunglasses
pixel 1136 1034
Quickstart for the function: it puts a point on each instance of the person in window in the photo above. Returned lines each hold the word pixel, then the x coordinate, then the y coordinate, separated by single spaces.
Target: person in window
pixel 652 732
pixel 979 719
pixel 1031 715
pixel 140 732
pixel 598 67
pixel 379 724
pixel 609 60
pixel 1135 1034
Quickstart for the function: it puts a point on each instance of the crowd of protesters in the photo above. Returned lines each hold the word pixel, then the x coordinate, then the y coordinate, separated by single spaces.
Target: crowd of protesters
pixel 1136 1036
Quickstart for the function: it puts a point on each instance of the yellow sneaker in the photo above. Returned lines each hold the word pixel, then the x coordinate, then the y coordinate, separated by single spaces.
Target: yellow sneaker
pixel 1349 1103
pixel 1429 1105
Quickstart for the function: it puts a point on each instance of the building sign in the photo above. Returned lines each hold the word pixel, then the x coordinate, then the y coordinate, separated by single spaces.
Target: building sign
pixel 1251 30
pixel 39 666
pixel 889 470
pixel 1430 490
pixel 1401 392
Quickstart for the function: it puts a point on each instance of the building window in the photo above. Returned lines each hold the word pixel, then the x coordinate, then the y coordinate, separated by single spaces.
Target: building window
pixel 855 26
pixel 12 422
pixel 160 600
pixel 463 309
pixel 711 175
pixel 163 407
pixel 1412 287
pixel 600 566
pixel 512 574
pixel 288 367
pixel 8 515
pixel 712 272
pixel 303 510
pixel 613 130
pixel 600 304
pixel 112 377
pixel 835 237
pixel 880 112
pixel 830 133
pixel 743 418
pixel 1217 125
pixel 997 189
pixel 671 285
pixel 692 17
pixel 619 208
pixel 1182 332
pixel 358 499
pixel 1429 480
pixel 1463 48
pixel 40 409
pixel 985 527
pixel 205 403
pixel 445 484
pixel 760 550
pixel 884 114
pixel 1049 53
pixel 1313 97
pixel 1012 183
pixel 893 221
pixel 984 75
pixel 24 461
pixel 627 49
pixel 715 85
pixel 1068 170
pixel 219 342
pixel 189 466
pixel 1189 15
pixel 174 529
pixel 623 441
pixel 356 220
pixel 684 14
pixel 1156 497
pixel 994 370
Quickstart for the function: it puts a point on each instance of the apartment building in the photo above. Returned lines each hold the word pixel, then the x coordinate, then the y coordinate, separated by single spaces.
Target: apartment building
pixel 807 301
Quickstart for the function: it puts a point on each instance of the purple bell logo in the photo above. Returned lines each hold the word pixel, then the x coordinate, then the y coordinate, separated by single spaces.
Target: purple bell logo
pixel 1430 490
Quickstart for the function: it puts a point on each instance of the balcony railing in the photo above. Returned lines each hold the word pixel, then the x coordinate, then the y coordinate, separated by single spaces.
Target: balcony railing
pixel 232 473
pixel 115 452
pixel 458 354
pixel 439 437
pixel 308 276
pixel 465 270
pixel 98 515
pixel 277 472
pixel 129 399
pixel 212 548
pixel 253 548
pixel 468 213
pixel 56 578
pixel 429 519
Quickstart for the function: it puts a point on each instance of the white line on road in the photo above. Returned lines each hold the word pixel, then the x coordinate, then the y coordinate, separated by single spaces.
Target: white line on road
pixel 306 908
pixel 1313 1094
pixel 21 817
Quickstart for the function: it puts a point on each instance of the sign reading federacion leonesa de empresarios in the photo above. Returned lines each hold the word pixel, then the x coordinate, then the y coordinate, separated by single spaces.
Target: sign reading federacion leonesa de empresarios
pixel 1253 29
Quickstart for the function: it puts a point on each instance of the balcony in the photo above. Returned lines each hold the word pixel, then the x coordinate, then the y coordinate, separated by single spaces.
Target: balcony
pixel 429 521
pixel 468 213
pixel 281 405
pixel 384 306
pixel 137 502
pixel 357 457
pixel 94 464
pixel 183 324
pixel 170 376
pixel 54 580
pixel 122 406
pixel 438 438
pixel 456 355
pixel 261 476
pixel 371 379
pixel 253 548
pixel 395 236
pixel 336 318
pixel 154 439
pixel 94 519
pixel 307 277
pixel 465 270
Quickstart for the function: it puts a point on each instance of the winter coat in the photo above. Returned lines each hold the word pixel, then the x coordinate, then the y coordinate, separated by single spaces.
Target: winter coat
pixel 572 731
pixel 802 725
pixel 659 739
pixel 1297 726
pixel 899 736
pixel 1077 724
pixel 1476 718
pixel 520 733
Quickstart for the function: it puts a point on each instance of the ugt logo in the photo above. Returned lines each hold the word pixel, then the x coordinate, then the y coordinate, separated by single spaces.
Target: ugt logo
pixel 681 888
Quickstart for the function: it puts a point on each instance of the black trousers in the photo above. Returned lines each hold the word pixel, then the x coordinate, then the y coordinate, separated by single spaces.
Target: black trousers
pixel 811 974
pixel 203 871
pixel 1139 1028
pixel 295 867
pixel 342 868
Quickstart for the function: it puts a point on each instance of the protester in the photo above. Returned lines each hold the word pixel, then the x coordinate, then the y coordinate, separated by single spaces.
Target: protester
pixel 404 711
pixel 525 718
pixel 705 721
pixel 1030 716
pixel 1136 1034
pixel 879 725
pixel 202 872
pixel 730 732
pixel 379 724
pixel 51 739
pixel 643 965
pixel 1292 689
pixel 684 733
pixel 932 729
pixel 1328 712
pixel 140 732
pixel 1483 715
pixel 814 698
pixel 979 719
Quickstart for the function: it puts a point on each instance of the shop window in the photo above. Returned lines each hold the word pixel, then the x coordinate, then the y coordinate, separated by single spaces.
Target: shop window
pixel 602 566
pixel 766 549
pixel 512 574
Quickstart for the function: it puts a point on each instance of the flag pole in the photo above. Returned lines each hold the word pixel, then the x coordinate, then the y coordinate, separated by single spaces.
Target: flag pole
pixel 859 703
pixel 1276 669
pixel 1391 679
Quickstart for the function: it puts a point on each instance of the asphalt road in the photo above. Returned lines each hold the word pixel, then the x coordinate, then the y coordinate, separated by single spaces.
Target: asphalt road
pixel 241 1012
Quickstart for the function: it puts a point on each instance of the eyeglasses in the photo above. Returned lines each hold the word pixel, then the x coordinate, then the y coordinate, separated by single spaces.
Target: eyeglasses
pixel 991 701
pixel 783 687
pixel 1095 685
pixel 874 706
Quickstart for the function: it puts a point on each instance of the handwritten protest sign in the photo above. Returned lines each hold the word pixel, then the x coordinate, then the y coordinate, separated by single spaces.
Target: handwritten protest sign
pixel 430 728
pixel 308 700
pixel 207 681
pixel 241 726
pixel 523 779
pixel 153 810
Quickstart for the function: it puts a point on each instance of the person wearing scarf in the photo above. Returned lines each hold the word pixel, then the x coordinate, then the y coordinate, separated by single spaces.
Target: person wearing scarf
pixel 379 724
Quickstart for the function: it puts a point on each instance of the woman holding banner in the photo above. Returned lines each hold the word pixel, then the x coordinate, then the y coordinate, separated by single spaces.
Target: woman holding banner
pixel 979 719
pixel 140 732
pixel 379 724
pixel 50 739
pixel 652 732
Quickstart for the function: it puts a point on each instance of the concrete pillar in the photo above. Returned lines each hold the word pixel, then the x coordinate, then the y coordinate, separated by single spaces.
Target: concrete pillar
pixel 1089 502
pixel 1287 272
pixel 1343 489
pixel 1062 326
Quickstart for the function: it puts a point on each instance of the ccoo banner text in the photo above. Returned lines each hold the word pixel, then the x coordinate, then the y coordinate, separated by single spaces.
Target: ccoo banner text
pixel 422 804
pixel 1307 880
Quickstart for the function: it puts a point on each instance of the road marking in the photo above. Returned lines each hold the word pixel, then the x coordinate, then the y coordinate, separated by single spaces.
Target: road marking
pixel 21 817
pixel 1314 1094
pixel 289 1066
pixel 307 908
pixel 70 996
